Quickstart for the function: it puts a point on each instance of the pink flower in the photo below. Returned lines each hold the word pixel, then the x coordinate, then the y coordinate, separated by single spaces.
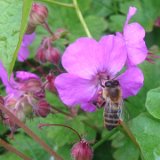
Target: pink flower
pixel 24 51
pixel 25 82
pixel 89 63
pixel 133 37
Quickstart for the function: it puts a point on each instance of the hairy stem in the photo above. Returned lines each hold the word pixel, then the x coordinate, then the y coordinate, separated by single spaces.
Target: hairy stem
pixel 79 14
pixel 55 109
pixel 46 26
pixel 30 133
pixel 61 125
pixel 12 149
pixel 60 3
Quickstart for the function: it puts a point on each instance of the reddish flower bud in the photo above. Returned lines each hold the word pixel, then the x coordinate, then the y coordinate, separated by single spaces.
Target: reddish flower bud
pixel 40 55
pixel 43 108
pixel 82 151
pixel 49 84
pixel 157 22
pixel 53 55
pixel 38 15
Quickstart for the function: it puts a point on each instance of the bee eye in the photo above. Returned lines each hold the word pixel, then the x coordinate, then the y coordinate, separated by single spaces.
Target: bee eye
pixel 108 84
pixel 115 83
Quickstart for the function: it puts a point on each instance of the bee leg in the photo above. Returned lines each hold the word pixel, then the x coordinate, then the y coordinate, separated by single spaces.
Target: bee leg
pixel 120 121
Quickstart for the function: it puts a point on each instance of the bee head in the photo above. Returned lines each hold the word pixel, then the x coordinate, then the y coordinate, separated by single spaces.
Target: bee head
pixel 111 83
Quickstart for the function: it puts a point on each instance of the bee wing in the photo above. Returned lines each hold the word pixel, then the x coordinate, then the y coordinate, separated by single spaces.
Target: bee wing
pixel 125 113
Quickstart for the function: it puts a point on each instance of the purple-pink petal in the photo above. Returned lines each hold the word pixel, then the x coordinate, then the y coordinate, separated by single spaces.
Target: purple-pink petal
pixel 131 13
pixel 3 74
pixel 23 75
pixel 23 53
pixel 135 45
pixel 74 90
pixel 133 33
pixel 9 83
pixel 28 39
pixel 133 37
pixel 131 81
pixel 85 57
pixel 115 53
pixel 88 107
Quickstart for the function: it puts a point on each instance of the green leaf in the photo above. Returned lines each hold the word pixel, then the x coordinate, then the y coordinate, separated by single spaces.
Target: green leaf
pixel 146 131
pixel 153 102
pixel 9 156
pixel 12 29
pixel 27 4
pixel 124 148
pixel 116 22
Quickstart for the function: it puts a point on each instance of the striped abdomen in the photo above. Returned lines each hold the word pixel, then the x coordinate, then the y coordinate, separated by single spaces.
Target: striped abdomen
pixel 112 113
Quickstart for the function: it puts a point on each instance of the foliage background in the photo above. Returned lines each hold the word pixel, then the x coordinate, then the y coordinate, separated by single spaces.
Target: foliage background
pixel 143 113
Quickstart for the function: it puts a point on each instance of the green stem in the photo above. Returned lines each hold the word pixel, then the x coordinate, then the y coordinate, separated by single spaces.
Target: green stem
pixel 131 136
pixel 79 14
pixel 12 149
pixel 60 3
pixel 129 133
pixel 99 143
pixel 30 132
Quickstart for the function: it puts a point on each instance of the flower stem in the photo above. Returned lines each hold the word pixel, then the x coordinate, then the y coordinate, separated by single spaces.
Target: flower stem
pixel 79 14
pixel 60 3
pixel 55 109
pixel 12 149
pixel 30 133
pixel 104 139
pixel 61 125
pixel 129 133
pixel 46 26
pixel 131 136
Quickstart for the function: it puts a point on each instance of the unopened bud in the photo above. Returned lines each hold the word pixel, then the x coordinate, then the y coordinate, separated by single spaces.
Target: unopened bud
pixel 50 83
pixel 53 55
pixel 157 22
pixel 40 55
pixel 43 108
pixel 82 151
pixel 38 15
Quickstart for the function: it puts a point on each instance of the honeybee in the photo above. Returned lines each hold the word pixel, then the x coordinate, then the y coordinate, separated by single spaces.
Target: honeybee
pixel 113 107
pixel 111 99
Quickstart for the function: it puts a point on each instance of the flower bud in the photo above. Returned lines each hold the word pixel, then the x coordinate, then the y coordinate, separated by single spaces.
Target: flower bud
pixel 157 22
pixel 43 108
pixel 82 151
pixel 40 55
pixel 53 55
pixel 38 15
pixel 50 83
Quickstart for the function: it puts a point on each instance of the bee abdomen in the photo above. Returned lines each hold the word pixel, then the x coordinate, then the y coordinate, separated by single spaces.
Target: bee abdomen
pixel 111 119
